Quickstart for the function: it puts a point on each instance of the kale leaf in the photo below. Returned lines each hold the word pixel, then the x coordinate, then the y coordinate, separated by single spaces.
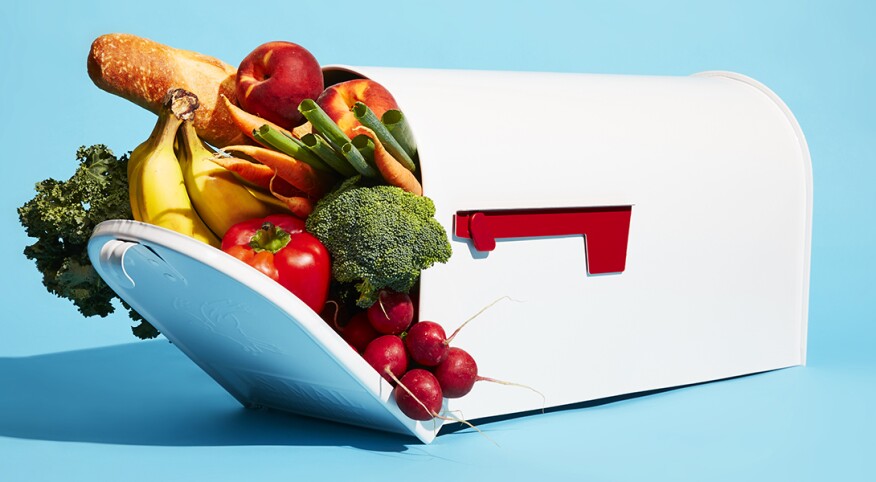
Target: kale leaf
pixel 62 216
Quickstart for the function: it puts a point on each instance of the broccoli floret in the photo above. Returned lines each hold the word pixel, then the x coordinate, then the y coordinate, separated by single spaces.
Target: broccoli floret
pixel 62 216
pixel 378 236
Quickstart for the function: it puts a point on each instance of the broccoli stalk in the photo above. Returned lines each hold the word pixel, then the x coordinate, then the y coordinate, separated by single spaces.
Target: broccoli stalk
pixel 378 236
pixel 62 216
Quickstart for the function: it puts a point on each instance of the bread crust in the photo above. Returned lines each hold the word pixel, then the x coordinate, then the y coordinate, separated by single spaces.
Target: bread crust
pixel 142 71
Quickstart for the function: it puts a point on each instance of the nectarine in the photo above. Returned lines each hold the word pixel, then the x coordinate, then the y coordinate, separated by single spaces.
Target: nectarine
pixel 274 78
pixel 337 100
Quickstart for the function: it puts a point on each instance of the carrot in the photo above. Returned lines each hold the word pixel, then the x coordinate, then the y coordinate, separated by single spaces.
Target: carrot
pixel 257 174
pixel 302 130
pixel 393 172
pixel 247 122
pixel 297 173
pixel 300 206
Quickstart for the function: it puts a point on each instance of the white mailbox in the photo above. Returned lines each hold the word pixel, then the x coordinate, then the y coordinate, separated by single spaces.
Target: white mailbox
pixel 650 232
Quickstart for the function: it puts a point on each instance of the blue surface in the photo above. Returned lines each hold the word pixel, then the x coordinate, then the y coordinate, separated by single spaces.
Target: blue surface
pixel 81 400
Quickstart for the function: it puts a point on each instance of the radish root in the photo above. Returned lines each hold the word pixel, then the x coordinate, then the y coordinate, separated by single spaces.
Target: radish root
pixel 485 308
pixel 380 303
pixel 435 414
pixel 335 317
pixel 514 384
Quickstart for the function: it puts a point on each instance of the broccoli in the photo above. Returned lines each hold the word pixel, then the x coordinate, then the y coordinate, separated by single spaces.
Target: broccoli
pixel 62 216
pixel 378 236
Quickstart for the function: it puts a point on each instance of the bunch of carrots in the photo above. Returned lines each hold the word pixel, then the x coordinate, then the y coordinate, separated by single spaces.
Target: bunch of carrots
pixel 301 165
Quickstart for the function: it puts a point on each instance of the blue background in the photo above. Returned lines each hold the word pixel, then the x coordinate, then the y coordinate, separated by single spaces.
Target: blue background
pixel 81 399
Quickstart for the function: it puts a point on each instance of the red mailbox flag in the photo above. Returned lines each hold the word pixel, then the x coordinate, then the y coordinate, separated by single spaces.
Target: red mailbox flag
pixel 605 230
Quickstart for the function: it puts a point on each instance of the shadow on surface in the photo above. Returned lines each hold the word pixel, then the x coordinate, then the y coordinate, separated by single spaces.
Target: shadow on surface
pixel 149 393
pixel 456 427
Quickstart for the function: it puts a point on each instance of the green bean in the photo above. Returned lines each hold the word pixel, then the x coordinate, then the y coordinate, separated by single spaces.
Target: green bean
pixel 397 125
pixel 289 146
pixel 319 146
pixel 366 116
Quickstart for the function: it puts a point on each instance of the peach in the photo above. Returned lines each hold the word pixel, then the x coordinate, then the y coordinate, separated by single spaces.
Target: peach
pixel 274 78
pixel 338 99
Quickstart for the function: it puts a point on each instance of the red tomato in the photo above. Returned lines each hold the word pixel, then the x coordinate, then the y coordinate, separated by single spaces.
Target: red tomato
pixel 279 247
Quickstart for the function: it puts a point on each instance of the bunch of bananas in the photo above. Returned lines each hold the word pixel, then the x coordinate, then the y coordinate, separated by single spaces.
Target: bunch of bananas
pixel 174 184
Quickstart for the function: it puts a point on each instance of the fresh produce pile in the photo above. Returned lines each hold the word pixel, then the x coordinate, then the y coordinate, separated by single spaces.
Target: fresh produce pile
pixel 316 187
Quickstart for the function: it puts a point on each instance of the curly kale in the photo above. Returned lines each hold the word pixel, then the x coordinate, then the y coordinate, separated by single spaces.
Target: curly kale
pixel 378 236
pixel 62 216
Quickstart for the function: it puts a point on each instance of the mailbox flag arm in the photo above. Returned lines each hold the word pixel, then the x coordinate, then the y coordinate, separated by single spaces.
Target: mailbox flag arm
pixel 605 230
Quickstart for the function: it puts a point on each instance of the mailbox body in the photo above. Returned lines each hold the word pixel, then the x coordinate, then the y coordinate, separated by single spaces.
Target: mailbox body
pixel 717 175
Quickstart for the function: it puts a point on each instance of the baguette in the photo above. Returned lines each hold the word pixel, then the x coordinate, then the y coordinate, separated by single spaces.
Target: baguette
pixel 142 71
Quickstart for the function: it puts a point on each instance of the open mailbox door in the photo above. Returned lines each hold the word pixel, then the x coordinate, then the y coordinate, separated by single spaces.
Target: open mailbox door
pixel 260 342
pixel 648 232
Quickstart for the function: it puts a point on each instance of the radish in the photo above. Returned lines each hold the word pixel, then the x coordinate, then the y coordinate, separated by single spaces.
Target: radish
pixel 392 313
pixel 418 395
pixel 358 332
pixel 427 343
pixel 387 354
pixel 457 374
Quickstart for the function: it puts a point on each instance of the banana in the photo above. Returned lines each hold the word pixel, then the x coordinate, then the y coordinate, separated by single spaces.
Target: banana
pixel 219 197
pixel 156 185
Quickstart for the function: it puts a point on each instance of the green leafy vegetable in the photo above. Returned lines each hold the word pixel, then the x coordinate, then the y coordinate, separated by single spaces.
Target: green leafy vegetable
pixel 62 216
pixel 378 236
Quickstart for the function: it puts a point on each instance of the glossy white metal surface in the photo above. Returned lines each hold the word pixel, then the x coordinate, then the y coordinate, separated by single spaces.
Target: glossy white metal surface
pixel 717 276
